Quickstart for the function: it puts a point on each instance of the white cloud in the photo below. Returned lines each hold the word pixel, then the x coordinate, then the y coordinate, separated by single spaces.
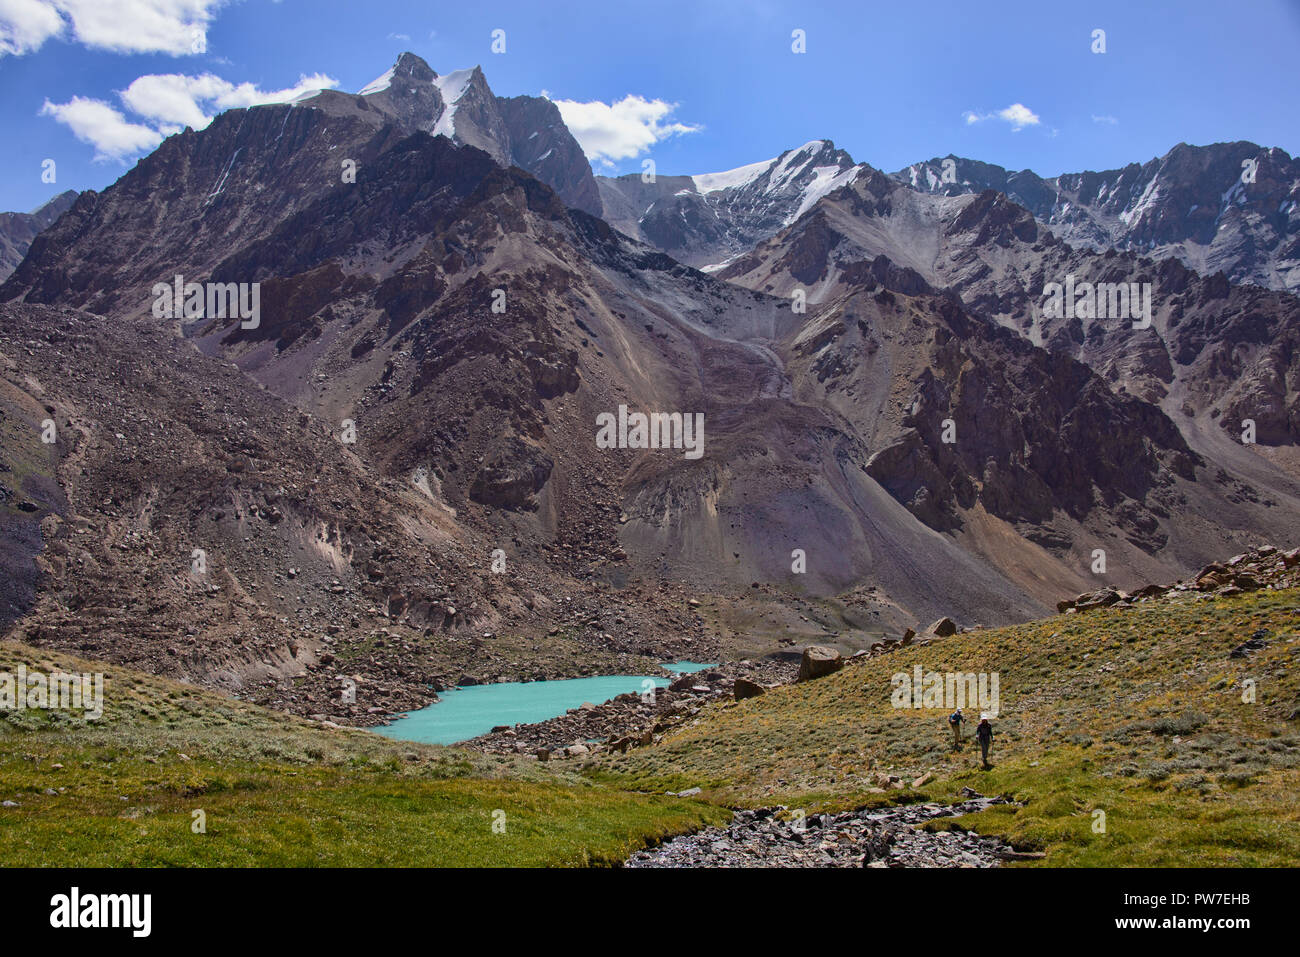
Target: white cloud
pixel 165 103
pixel 97 123
pixel 622 130
pixel 26 24
pixel 173 101
pixel 178 27
pixel 1017 115
pixel 1107 120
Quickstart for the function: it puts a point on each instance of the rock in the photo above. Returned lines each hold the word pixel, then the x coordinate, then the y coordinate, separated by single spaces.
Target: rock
pixel 1256 643
pixel 878 845
pixel 1102 598
pixel 942 628
pixel 908 636
pixel 819 661
pixel 689 792
pixel 744 688
pixel 543 754
pixel 577 750
pixel 923 780
pixel 1150 591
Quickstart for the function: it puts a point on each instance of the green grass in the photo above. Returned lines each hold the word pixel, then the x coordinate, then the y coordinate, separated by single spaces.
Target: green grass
pixel 278 791
pixel 1134 712
pixel 1137 713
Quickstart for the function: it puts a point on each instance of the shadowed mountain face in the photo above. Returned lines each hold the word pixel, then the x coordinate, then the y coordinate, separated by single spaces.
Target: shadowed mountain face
pixel 1230 207
pixel 17 230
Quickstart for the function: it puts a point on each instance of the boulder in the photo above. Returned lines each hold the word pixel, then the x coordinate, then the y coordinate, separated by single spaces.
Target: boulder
pixel 908 636
pixel 1150 591
pixel 1102 598
pixel 744 688
pixel 942 628
pixel 819 661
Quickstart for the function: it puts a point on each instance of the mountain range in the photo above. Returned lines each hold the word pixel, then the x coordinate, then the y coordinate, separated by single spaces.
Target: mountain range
pixel 17 230
pixel 392 473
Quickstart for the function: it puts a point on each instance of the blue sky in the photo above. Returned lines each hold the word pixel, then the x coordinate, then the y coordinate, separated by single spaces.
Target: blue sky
pixel 714 83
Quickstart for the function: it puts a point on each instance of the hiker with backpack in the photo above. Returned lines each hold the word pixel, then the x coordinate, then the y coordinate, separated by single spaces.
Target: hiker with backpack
pixel 955 721
pixel 984 735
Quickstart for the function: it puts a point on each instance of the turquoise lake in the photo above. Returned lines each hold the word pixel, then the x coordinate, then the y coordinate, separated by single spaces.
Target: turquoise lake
pixel 464 713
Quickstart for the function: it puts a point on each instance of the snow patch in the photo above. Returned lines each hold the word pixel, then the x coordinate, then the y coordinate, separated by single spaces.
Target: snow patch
pixel 452 87
pixel 826 179
pixel 1149 195
pixel 379 84
pixel 732 178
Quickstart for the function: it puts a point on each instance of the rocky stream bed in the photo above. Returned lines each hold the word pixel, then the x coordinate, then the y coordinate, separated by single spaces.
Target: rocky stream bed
pixel 871 837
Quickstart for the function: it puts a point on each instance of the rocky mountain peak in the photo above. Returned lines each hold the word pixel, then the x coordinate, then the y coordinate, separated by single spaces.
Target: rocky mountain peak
pixel 412 67
pixel 1230 207
pixel 17 230
pixel 523 131
pixel 708 219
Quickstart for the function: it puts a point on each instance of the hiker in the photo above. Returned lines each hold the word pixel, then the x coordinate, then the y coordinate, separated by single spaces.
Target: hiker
pixel 955 721
pixel 984 735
